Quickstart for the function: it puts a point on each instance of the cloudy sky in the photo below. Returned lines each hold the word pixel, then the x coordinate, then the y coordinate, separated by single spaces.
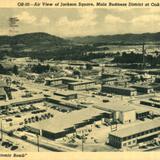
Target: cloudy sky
pixel 82 22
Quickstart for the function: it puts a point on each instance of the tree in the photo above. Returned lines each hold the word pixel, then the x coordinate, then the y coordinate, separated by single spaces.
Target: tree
pixel 76 72
pixel 15 69
pixel 89 66
pixel 40 68
pixel 2 70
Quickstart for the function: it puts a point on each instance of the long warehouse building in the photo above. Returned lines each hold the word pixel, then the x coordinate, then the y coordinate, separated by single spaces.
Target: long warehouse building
pixel 60 126
pixel 131 136
pixel 119 90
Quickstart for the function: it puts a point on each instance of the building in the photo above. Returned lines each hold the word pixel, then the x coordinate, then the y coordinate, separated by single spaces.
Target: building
pixel 71 83
pixel 141 114
pixel 5 90
pixel 81 85
pixel 109 75
pixel 55 102
pixel 151 103
pixel 112 79
pixel 119 90
pixel 2 94
pixel 156 86
pixel 155 99
pixel 53 82
pixel 121 82
pixel 157 79
pixel 20 102
pixel 122 113
pixel 132 136
pixel 60 126
pixel 143 89
pixel 63 105
pixel 67 95
pixel 67 80
pixel 60 81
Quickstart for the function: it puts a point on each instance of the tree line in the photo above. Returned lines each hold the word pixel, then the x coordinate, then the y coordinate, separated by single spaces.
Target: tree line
pixel 152 60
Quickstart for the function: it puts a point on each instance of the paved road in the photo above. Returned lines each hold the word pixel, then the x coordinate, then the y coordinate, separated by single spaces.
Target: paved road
pixel 44 144
pixel 22 145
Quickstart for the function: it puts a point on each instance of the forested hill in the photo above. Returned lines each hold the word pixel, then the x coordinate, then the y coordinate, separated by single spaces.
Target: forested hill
pixel 119 39
pixel 41 38
pixel 45 46
pixel 32 39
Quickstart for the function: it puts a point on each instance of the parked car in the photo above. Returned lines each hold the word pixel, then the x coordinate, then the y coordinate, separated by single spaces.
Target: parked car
pixel 24 137
pixel 14 147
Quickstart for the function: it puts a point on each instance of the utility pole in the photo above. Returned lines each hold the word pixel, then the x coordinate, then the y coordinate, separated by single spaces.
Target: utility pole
pixel 82 145
pixel 1 130
pixel 38 142
pixel 82 138
pixel 102 69
pixel 143 59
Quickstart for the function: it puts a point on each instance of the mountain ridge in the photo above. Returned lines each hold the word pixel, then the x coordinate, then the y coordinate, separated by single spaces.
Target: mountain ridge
pixel 119 38
pixel 32 38
pixel 46 38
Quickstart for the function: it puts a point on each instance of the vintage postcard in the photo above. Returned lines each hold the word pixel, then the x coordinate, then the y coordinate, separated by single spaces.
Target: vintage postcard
pixel 79 77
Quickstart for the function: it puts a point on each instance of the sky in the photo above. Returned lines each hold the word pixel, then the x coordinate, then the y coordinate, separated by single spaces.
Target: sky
pixel 81 22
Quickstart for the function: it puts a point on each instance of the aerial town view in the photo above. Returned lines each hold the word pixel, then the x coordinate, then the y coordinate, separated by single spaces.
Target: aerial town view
pixel 79 81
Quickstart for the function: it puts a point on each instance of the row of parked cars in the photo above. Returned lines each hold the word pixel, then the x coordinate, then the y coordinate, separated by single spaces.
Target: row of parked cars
pixel 9 144
pixel 37 118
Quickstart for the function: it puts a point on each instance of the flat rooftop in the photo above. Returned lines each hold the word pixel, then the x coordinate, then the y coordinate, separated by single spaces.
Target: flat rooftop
pixel 121 107
pixel 142 126
pixel 21 100
pixel 157 99
pixel 119 87
pixel 73 80
pixel 56 98
pixel 3 83
pixel 81 82
pixel 65 93
pixel 151 102
pixel 142 86
pixel 2 92
pixel 62 78
pixel 111 73
pixel 62 121
pixel 142 111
